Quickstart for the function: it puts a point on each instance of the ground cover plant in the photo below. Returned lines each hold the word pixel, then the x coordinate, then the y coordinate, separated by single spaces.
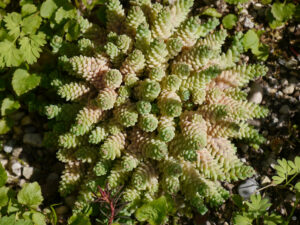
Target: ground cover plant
pixel 148 111
pixel 156 102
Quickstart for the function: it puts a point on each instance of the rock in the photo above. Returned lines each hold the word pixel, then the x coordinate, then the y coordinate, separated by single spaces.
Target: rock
pixel 33 139
pixel 16 168
pixel 4 162
pixel 289 89
pixel 8 148
pixel 52 178
pixel 27 172
pixel 17 152
pixel 285 109
pixel 61 210
pixel 265 180
pixel 17 116
pixel 70 200
pixel 26 121
pixel 21 182
pixel 256 94
pixel 248 23
pixel 248 188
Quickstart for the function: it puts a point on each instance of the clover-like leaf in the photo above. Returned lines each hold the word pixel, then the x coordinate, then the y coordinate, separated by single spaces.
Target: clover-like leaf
pixel 229 21
pixel 48 8
pixel 257 206
pixel 30 195
pixel 9 105
pixel 250 40
pixel 23 82
pixel 283 170
pixel 3 196
pixel 5 125
pixel 283 12
pixel 242 219
pixel 12 23
pixel 272 219
pixel 9 53
pixel 3 175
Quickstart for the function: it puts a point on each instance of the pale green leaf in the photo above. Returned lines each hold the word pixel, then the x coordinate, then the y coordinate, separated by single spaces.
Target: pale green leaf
pixel 211 12
pixel 229 21
pixel 79 219
pixel 12 23
pixel 9 105
pixel 283 12
pixel 11 55
pixel 31 24
pixel 250 40
pixel 273 219
pixel 236 1
pixel 5 125
pixel 297 163
pixel 3 195
pixel 242 220
pixel 38 218
pixel 3 175
pixel 261 52
pixel 48 8
pixel 155 212
pixel 30 195
pixel 23 82
pixel 257 206
pixel 28 9
pixel 31 46
pixel 297 187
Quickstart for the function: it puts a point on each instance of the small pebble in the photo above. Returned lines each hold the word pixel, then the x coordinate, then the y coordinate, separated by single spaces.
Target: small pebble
pixel 285 109
pixel 294 218
pixel 21 182
pixel 61 210
pixel 247 188
pixel 17 116
pixel 8 148
pixel 256 94
pixel 248 23
pixel 265 180
pixel 27 172
pixel 26 121
pixel 289 89
pixel 17 152
pixel 70 200
pixel 16 168
pixel 4 162
pixel 33 139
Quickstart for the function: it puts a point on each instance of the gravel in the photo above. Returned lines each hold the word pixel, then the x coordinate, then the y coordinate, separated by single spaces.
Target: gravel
pixel 27 172
pixel 16 168
pixel 34 139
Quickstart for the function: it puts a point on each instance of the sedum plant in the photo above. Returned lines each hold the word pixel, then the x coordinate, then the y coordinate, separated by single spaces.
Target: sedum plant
pixel 151 103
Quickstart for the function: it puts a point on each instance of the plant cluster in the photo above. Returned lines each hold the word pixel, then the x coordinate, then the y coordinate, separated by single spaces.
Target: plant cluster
pixel 152 103
pixel 20 208
pixel 256 211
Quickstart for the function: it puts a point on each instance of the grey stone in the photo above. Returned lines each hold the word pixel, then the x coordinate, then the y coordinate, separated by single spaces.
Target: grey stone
pixel 27 172
pixel 248 188
pixel 256 94
pixel 16 168
pixel 17 152
pixel 33 139
pixel 285 109
pixel 265 180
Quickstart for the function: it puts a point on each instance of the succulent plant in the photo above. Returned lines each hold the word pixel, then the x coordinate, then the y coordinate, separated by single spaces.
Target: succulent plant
pixel 152 103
